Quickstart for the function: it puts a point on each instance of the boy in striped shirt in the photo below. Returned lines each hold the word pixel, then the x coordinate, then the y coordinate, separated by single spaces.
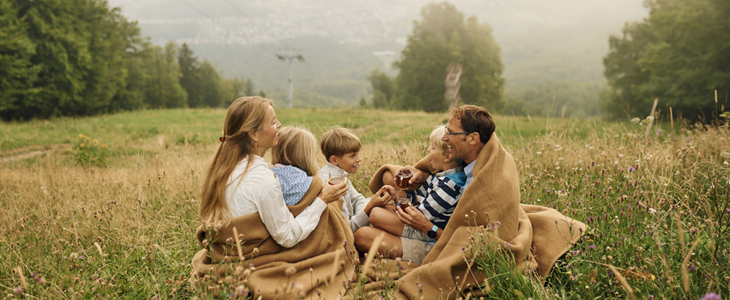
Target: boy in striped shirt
pixel 411 233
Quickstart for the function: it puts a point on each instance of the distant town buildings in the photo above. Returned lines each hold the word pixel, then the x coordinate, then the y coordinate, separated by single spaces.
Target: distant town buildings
pixel 345 26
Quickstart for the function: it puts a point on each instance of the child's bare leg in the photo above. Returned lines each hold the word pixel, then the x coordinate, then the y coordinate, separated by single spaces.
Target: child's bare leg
pixel 386 220
pixel 388 178
pixel 391 245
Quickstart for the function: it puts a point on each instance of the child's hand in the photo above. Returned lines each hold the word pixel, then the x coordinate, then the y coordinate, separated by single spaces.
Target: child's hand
pixel 380 199
pixel 413 217
pixel 419 177
pixel 331 193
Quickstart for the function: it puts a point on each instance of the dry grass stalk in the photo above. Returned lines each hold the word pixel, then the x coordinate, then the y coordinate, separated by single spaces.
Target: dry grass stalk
pixel 23 282
pixel 466 273
pixel 685 273
pixel 98 247
pixel 680 231
pixel 371 253
pixel 623 281
pixel 238 244
pixel 161 250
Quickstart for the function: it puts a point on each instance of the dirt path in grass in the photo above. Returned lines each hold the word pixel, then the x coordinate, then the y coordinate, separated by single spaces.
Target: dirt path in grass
pixel 29 152
pixel 366 128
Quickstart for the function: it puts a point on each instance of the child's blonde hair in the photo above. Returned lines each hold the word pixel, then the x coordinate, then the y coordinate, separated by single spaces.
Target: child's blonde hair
pixel 339 141
pixel 436 135
pixel 296 147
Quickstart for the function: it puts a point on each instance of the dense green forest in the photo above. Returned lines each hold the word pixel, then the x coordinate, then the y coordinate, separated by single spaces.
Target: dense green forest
pixel 82 58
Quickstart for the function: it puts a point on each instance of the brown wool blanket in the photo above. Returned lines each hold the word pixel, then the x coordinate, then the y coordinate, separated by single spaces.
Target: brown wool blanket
pixel 310 264
pixel 537 236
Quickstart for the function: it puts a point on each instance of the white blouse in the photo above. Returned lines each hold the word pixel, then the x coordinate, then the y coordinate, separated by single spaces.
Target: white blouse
pixel 259 191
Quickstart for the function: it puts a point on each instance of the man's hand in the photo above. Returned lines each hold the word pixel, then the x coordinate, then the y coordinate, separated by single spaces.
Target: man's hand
pixel 331 193
pixel 382 198
pixel 413 217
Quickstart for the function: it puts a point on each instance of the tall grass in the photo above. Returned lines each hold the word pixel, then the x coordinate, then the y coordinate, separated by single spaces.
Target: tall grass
pixel 657 207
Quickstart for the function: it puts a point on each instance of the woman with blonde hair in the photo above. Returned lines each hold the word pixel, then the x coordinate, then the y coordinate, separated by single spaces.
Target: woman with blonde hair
pixel 240 183
pixel 295 162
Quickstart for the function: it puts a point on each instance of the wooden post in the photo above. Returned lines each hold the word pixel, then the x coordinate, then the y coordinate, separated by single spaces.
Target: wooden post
pixel 453 84
pixel 648 127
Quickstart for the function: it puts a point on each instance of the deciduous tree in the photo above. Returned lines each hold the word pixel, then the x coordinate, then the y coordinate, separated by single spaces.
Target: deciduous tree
pixel 441 37
pixel 678 54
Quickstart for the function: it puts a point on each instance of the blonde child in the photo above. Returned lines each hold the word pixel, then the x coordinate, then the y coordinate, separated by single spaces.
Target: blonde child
pixel 295 162
pixel 411 232
pixel 341 149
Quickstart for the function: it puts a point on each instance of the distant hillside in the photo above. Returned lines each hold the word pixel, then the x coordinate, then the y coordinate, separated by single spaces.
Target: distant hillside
pixel 542 41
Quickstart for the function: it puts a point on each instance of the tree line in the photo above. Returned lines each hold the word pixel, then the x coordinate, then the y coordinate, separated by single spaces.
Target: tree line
pixel 678 54
pixel 80 57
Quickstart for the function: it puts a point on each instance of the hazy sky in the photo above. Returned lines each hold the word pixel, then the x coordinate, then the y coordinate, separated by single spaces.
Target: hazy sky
pixel 505 16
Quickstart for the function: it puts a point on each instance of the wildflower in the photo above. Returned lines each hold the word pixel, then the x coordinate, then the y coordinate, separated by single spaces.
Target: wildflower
pixel 631 169
pixel 711 296
pixel 593 247
pixel 290 271
pixel 691 267
pixel 635 121
pixel 18 290
pixel 81 145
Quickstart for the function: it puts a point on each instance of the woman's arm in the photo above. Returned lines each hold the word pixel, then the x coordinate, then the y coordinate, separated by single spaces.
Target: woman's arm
pixel 283 227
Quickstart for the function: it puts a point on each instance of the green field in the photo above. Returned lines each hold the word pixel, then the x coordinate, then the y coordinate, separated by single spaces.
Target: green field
pixel 116 216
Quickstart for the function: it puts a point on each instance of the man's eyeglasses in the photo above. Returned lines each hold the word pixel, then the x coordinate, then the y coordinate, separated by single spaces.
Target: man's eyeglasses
pixel 456 133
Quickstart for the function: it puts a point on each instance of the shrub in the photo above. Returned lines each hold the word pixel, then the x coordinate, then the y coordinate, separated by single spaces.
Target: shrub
pixel 88 152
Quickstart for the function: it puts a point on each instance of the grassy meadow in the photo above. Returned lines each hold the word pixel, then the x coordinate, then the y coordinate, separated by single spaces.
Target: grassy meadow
pixel 107 206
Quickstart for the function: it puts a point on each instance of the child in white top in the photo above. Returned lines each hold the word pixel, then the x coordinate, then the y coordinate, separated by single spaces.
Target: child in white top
pixel 341 149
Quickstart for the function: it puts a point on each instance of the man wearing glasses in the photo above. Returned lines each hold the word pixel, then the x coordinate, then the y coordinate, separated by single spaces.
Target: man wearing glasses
pixel 490 199
pixel 470 127
pixel 468 130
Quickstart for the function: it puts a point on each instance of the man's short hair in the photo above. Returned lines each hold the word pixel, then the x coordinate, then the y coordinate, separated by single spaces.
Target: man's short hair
pixel 339 141
pixel 475 119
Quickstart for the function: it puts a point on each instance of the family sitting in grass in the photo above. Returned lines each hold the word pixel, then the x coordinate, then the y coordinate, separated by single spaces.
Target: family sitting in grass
pixel 283 224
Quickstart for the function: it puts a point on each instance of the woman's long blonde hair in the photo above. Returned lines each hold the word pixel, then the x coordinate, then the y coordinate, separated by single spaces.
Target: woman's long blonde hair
pixel 296 147
pixel 247 114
